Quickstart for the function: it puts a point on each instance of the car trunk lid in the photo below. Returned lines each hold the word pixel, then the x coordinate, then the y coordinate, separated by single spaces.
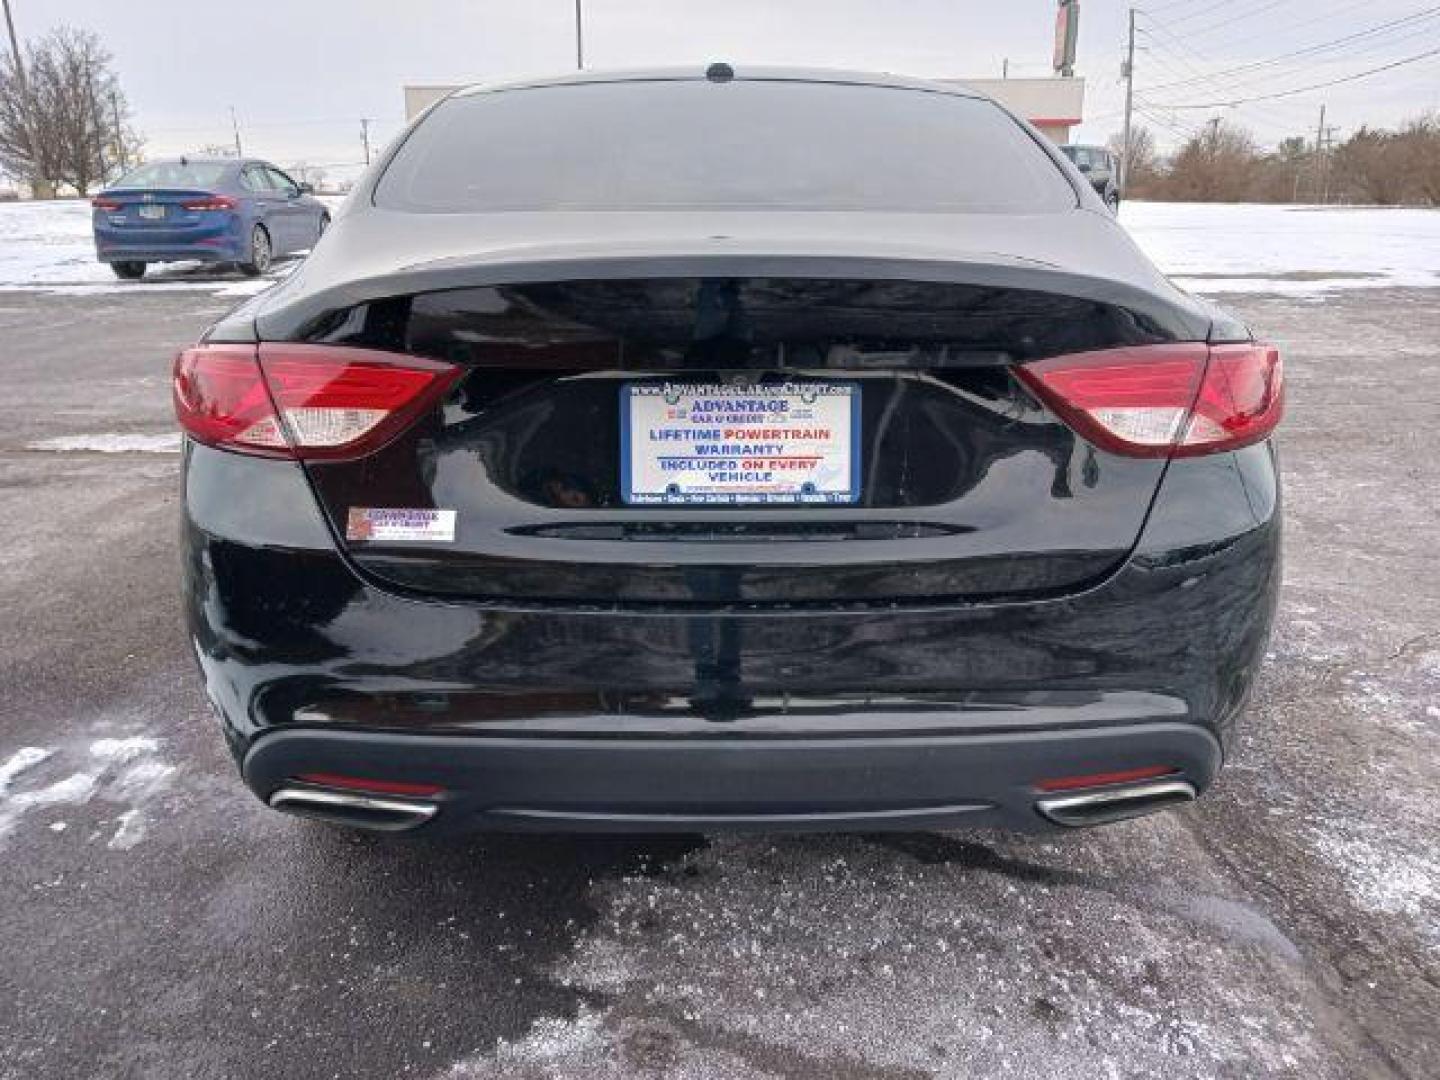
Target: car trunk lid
pixel 151 208
pixel 965 486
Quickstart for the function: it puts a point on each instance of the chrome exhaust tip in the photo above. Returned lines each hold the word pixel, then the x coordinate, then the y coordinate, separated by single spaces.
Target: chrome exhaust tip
pixel 1115 804
pixel 379 812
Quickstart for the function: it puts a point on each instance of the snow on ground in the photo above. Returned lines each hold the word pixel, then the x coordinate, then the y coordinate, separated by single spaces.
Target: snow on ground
pixel 126 771
pixel 49 246
pixel 1292 250
pixel 110 443
pixel 1208 248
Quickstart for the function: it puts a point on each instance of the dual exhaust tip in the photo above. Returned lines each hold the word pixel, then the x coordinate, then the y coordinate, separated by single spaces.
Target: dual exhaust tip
pixel 387 813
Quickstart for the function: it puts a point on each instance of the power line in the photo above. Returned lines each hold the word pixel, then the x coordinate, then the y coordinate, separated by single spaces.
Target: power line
pixel 1158 49
pixel 1177 59
pixel 1165 7
pixel 1203 11
pixel 1302 89
pixel 1248 36
pixel 1205 31
pixel 1174 127
pixel 1325 46
pixel 1218 86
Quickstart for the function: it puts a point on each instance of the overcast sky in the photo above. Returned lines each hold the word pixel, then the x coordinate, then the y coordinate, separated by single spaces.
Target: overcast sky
pixel 301 73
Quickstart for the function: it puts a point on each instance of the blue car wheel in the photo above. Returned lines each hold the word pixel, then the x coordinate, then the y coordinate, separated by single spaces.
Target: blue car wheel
pixel 261 252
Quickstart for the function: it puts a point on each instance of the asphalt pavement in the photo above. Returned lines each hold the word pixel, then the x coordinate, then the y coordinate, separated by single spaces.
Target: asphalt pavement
pixel 156 921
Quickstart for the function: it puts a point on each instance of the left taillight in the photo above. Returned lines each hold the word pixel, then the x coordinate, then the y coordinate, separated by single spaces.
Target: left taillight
pixel 102 202
pixel 210 202
pixel 1178 400
pixel 312 402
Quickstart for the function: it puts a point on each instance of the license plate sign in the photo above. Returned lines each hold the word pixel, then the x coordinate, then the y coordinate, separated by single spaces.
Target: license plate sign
pixel 687 444
pixel 152 213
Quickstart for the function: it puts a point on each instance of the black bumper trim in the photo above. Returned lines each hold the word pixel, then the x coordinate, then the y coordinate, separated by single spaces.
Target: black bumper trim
pixel 687 785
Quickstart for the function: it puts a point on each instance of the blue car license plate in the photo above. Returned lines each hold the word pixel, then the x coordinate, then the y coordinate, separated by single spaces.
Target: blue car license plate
pixel 687 444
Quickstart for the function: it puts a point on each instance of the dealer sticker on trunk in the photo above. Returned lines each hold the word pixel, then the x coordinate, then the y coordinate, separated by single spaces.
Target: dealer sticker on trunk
pixel 369 523
pixel 688 443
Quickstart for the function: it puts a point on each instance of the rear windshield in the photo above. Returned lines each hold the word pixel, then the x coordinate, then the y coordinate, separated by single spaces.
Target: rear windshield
pixel 748 144
pixel 166 174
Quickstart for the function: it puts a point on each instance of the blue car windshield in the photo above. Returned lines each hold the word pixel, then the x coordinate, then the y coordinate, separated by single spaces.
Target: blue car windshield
pixel 167 174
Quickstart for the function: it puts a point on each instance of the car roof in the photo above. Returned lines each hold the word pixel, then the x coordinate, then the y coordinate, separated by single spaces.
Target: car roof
pixel 193 159
pixel 741 73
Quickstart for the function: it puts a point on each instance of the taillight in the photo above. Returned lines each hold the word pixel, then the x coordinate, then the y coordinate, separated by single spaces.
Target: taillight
pixel 303 401
pixel 1161 400
pixel 101 202
pixel 210 202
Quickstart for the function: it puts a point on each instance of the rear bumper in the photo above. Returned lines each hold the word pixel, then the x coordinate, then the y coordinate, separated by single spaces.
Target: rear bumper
pixel 212 242
pixel 563 717
pixel 650 785
pixel 140 252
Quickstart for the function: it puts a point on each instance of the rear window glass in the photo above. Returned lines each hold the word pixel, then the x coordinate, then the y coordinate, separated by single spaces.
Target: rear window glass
pixel 691 145
pixel 163 174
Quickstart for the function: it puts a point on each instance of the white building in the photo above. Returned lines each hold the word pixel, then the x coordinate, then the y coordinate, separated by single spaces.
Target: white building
pixel 1053 103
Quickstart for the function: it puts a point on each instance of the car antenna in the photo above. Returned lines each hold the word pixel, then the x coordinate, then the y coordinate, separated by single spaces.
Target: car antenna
pixel 719 72
pixel 183 160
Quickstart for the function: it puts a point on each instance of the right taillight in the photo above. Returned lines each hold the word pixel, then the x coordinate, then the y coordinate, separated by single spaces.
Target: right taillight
pixel 211 202
pixel 1164 400
pixel 302 401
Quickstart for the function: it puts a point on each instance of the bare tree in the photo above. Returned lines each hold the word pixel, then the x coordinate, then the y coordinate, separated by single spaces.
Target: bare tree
pixel 1281 174
pixel 1221 163
pixel 1217 164
pixel 1371 164
pixel 66 124
pixel 1142 171
pixel 307 174
pixel 1420 157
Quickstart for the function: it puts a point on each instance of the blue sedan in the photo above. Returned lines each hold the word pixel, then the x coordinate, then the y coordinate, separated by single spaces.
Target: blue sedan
pixel 219 210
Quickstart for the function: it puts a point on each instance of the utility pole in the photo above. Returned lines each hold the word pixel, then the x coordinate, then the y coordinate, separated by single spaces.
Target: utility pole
pixel 365 138
pixel 1320 150
pixel 1129 72
pixel 579 39
pixel 1005 68
pixel 235 126
pixel 15 48
pixel 1326 141
pixel 39 188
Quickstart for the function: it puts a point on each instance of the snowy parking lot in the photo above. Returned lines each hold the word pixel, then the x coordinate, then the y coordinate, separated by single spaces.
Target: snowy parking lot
pixel 1288 250
pixel 49 245
pixel 158 922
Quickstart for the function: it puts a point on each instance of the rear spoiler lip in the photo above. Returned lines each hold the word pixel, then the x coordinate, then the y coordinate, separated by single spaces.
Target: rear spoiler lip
pixel 288 311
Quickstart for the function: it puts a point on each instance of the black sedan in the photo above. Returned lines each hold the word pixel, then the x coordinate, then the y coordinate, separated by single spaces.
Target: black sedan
pixel 766 449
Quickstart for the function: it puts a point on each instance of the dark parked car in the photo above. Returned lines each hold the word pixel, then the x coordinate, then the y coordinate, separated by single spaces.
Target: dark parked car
pixel 223 210
pixel 1100 168
pixel 695 450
